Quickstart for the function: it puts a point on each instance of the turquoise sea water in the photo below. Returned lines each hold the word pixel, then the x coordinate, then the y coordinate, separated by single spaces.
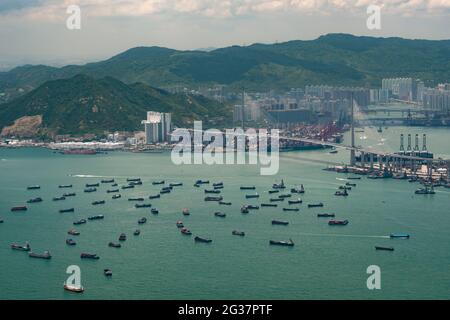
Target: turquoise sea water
pixel 326 262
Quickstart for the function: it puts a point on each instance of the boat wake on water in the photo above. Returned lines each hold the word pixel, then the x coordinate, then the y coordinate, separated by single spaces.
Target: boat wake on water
pixel 88 176
pixel 343 235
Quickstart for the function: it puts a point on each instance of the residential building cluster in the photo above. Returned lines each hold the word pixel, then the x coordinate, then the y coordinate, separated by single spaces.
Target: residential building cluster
pixel 157 127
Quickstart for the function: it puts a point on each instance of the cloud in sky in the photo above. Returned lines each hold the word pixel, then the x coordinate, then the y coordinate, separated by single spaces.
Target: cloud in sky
pixel 54 9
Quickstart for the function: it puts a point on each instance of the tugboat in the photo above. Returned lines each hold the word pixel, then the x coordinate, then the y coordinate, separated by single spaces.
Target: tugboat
pixel 326 215
pixel 72 194
pixel 154 211
pixel 341 193
pixel 238 233
pixel 155 197
pixel 67 210
pixel 289 243
pixel 158 182
pixel 273 205
pixel 384 248
pixel 73 232
pixel 218 199
pixel 98 217
pixel 92 185
pixel 122 237
pixel 79 222
pixel 142 220
pixel 315 205
pixel 291 209
pixel 90 190
pixel 114 245
pixel 186 231
pixel 113 191
pixel 19 247
pixel 248 188
pixel 116 196
pixel 251 196
pixel 220 214
pixel 298 201
pixel 225 203
pixel 65 186
pixel 59 198
pixel 33 187
pixel 20 208
pixel 70 242
pixel 279 186
pixel 46 255
pixel 35 200
pixel 107 272
pixel 338 222
pixel 72 288
pixel 180 224
pixel 92 256
pixel 425 190
pixel 137 232
pixel 186 212
pixel 296 190
pixel 96 203
pixel 278 222
pixel 144 205
pixel 200 239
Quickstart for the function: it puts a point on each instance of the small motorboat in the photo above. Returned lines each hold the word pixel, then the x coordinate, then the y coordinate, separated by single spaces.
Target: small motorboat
pixel 158 182
pixel 155 197
pixel 354 178
pixel 164 191
pixel 65 186
pixel 33 187
pixel 97 217
pixel 92 256
pixel 113 191
pixel 202 182
pixel 218 184
pixel 180 224
pixel 67 210
pixel 334 151
pixel 107 272
pixel 248 188
pixel 326 215
pixel 348 184
pixel 244 209
pixel 90 190
pixel 133 179
pixel 425 190
pixel 238 233
pixel 338 222
pixel 291 209
pixel 135 183
pixel 144 205
pixel 92 185
pixel 217 199
pixel 122 237
pixel 186 231
pixel 142 220
pixel 298 201
pixel 70 242
pixel 73 232
pixel 96 203
pixel 72 288
pixel 220 214
pixel 46 255
pixel 137 232
pixel 114 245
pixel 127 187
pixel 252 207
pixel 19 247
pixel 399 236
pixel 154 211
pixel 225 203
pixel 273 205
pixel 341 193
pixel 82 221
pixel 345 188
pixel 315 205
pixel 289 243
pixel 70 194
pixel 107 181
pixel 276 199
pixel 218 187
pixel 19 208
pixel 251 196
pixel 175 184
pixel 384 248
pixel 279 222
pixel 284 196
pixel 186 212
pixel 200 239
pixel 114 185
pixel 116 196
pixel 59 198
pixel 273 191
pixel 212 191
pixel 136 199
pixel 35 200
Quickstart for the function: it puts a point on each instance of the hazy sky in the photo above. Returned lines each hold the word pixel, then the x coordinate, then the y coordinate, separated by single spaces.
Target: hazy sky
pixel 34 31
